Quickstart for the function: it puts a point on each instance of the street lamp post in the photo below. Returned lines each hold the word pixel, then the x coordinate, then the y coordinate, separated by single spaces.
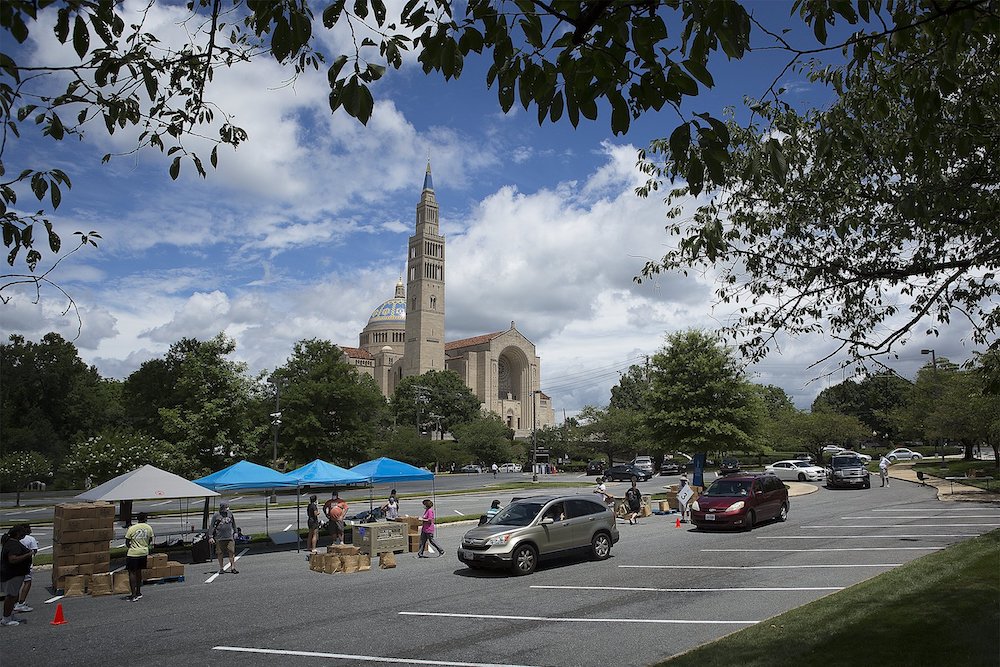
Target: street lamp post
pixel 534 435
pixel 276 418
pixel 934 366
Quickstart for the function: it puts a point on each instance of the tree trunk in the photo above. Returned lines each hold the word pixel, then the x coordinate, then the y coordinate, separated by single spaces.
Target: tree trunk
pixel 969 456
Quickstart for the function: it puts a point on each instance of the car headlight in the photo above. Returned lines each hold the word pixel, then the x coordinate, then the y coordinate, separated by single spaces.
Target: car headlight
pixel 695 507
pixel 498 540
pixel 736 507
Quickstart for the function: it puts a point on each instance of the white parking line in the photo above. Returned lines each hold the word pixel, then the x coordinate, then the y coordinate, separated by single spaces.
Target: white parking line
pixel 910 525
pixel 562 619
pixel 55 599
pixel 160 504
pixel 917 509
pixel 458 512
pixel 751 567
pixel 40 509
pixel 233 500
pixel 215 575
pixel 859 537
pixel 928 516
pixel 44 548
pixel 689 590
pixel 288 527
pixel 829 549
pixel 365 658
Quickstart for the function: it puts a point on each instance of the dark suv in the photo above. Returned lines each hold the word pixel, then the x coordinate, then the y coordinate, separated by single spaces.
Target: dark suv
pixel 595 467
pixel 729 466
pixel 847 470
pixel 740 501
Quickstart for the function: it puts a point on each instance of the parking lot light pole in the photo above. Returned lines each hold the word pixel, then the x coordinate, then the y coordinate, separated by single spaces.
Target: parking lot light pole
pixel 934 367
pixel 534 435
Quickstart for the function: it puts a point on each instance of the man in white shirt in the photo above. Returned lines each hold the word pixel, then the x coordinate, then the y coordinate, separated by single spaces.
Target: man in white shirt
pixel 883 470
pixel 32 545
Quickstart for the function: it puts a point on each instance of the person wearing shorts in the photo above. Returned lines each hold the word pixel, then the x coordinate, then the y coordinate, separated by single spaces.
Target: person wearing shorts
pixel 15 560
pixel 222 532
pixel 32 545
pixel 138 538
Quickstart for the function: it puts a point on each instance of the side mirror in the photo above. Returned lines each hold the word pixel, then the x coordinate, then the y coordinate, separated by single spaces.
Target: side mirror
pixel 546 520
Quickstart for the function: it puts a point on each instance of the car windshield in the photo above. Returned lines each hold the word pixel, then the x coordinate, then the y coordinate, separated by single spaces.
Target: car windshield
pixel 726 487
pixel 517 514
pixel 846 462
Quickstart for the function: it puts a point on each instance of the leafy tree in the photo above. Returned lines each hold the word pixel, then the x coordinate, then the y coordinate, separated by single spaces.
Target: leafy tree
pixel 441 393
pixel 632 390
pixel 812 431
pixel 867 219
pixel 328 409
pixel 404 443
pixel 18 469
pixel 870 399
pixel 700 400
pixel 49 396
pixel 114 452
pixel 619 433
pixel 487 439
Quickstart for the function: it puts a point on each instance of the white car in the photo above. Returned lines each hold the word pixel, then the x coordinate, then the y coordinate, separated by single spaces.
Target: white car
pixel 832 449
pixel 903 454
pixel 645 463
pixel 510 467
pixel 801 471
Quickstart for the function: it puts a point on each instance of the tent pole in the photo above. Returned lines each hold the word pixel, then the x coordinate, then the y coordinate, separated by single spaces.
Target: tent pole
pixel 298 517
pixel 267 530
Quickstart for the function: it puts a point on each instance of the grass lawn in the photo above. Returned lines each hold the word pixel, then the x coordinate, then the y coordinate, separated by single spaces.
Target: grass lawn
pixel 956 468
pixel 941 609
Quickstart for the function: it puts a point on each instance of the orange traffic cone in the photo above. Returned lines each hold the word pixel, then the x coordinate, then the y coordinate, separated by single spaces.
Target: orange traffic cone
pixel 59 620
pixel 678 524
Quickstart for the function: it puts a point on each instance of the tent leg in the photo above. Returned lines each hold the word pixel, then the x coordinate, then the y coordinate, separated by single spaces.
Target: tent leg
pixel 298 517
pixel 204 515
pixel 267 530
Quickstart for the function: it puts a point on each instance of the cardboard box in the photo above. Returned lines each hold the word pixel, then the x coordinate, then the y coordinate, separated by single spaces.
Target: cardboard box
pixel 156 560
pixel 121 582
pixel 75 586
pixel 175 569
pixel 343 549
pixel 414 542
pixel 101 584
pixel 60 572
pixel 413 524
pixel 87 568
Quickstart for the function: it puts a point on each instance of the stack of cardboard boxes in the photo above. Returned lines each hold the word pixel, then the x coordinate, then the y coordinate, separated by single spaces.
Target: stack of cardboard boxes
pixel 413 524
pixel 158 567
pixel 81 548
pixel 343 558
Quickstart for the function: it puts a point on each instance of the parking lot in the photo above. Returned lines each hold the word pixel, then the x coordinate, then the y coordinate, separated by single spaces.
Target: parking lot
pixel 663 591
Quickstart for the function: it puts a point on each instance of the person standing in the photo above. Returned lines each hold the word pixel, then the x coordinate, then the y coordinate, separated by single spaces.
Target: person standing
pixel 602 490
pixel 15 562
pixel 335 510
pixel 138 537
pixel 427 530
pixel 883 469
pixel 493 510
pixel 495 469
pixel 222 532
pixel 391 508
pixel 684 498
pixel 633 500
pixel 313 523
pixel 32 545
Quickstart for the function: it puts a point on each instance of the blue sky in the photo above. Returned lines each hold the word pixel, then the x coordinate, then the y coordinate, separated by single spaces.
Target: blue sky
pixel 301 233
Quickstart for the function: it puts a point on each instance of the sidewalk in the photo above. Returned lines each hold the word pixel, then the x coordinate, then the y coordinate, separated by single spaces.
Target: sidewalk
pixel 946 490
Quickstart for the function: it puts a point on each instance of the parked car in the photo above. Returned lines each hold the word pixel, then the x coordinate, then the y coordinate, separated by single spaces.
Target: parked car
pixel 470 468
pixel 595 467
pixel 801 471
pixel 644 462
pixel 832 449
pixel 904 454
pixel 740 501
pixel 510 467
pixel 537 528
pixel 804 456
pixel 672 466
pixel 848 470
pixel 729 466
pixel 627 472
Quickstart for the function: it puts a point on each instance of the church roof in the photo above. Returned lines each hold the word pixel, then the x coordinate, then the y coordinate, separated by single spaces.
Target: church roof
pixel 392 310
pixel 428 182
pixel 471 342
pixel 356 352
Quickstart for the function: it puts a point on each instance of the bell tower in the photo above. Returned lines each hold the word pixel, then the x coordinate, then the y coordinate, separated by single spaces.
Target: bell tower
pixel 424 347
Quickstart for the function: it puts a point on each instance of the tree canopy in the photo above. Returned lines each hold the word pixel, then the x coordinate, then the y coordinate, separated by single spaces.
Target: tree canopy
pixel 434 399
pixel 867 219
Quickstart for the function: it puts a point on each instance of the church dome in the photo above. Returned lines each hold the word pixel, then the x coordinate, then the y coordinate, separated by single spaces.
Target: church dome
pixel 393 310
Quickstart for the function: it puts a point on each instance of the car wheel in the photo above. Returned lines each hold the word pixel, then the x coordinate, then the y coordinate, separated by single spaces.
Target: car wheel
pixel 600 546
pixel 525 560
pixel 917 457
pixel 802 477
pixel 892 458
pixel 783 512
pixel 868 483
pixel 751 520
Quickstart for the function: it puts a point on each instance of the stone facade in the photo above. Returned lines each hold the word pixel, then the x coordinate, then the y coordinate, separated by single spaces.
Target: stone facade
pixel 405 336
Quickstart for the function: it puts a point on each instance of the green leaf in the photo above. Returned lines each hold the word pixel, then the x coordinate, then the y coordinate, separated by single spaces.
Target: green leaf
pixel 357 100
pixel 332 13
pixel 214 157
pixel 81 37
pixel 680 141
pixel 700 72
pixel 620 115
pixel 175 168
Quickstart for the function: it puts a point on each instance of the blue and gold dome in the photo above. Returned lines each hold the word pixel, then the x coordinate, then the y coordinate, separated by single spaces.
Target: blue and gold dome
pixel 393 310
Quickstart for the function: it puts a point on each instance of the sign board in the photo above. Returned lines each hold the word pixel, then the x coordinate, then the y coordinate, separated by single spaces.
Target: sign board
pixel 684 495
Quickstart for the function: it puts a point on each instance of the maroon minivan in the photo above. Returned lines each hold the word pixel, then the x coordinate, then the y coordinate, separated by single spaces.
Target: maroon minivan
pixel 740 501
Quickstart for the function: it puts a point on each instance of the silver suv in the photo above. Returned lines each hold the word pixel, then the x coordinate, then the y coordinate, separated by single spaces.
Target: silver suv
pixel 537 528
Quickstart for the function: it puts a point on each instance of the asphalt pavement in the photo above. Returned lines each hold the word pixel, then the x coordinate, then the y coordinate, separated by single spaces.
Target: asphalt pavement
pixel 665 590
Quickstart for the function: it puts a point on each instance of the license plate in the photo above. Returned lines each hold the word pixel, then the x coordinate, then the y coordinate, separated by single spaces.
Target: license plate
pixel 709 517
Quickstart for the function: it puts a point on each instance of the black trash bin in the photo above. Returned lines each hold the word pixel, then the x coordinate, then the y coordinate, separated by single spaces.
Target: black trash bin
pixel 201 550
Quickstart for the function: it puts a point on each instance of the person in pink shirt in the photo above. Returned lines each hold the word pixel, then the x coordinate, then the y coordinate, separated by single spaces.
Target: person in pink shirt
pixel 427 531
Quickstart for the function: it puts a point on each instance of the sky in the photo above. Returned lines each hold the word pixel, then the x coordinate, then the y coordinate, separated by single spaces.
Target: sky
pixel 302 231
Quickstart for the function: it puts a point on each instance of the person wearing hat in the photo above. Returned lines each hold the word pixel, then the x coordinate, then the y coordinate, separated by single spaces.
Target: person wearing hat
pixel 222 532
pixel 683 506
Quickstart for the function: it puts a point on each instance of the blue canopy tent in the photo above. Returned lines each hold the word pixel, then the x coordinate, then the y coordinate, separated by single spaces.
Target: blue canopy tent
pixel 246 475
pixel 320 473
pixel 385 469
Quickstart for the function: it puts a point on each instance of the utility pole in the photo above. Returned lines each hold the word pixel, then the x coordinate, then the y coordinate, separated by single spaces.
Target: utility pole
pixel 534 434
pixel 936 398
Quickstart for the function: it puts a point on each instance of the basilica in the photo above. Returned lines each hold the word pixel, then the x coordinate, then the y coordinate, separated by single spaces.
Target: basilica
pixel 405 336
